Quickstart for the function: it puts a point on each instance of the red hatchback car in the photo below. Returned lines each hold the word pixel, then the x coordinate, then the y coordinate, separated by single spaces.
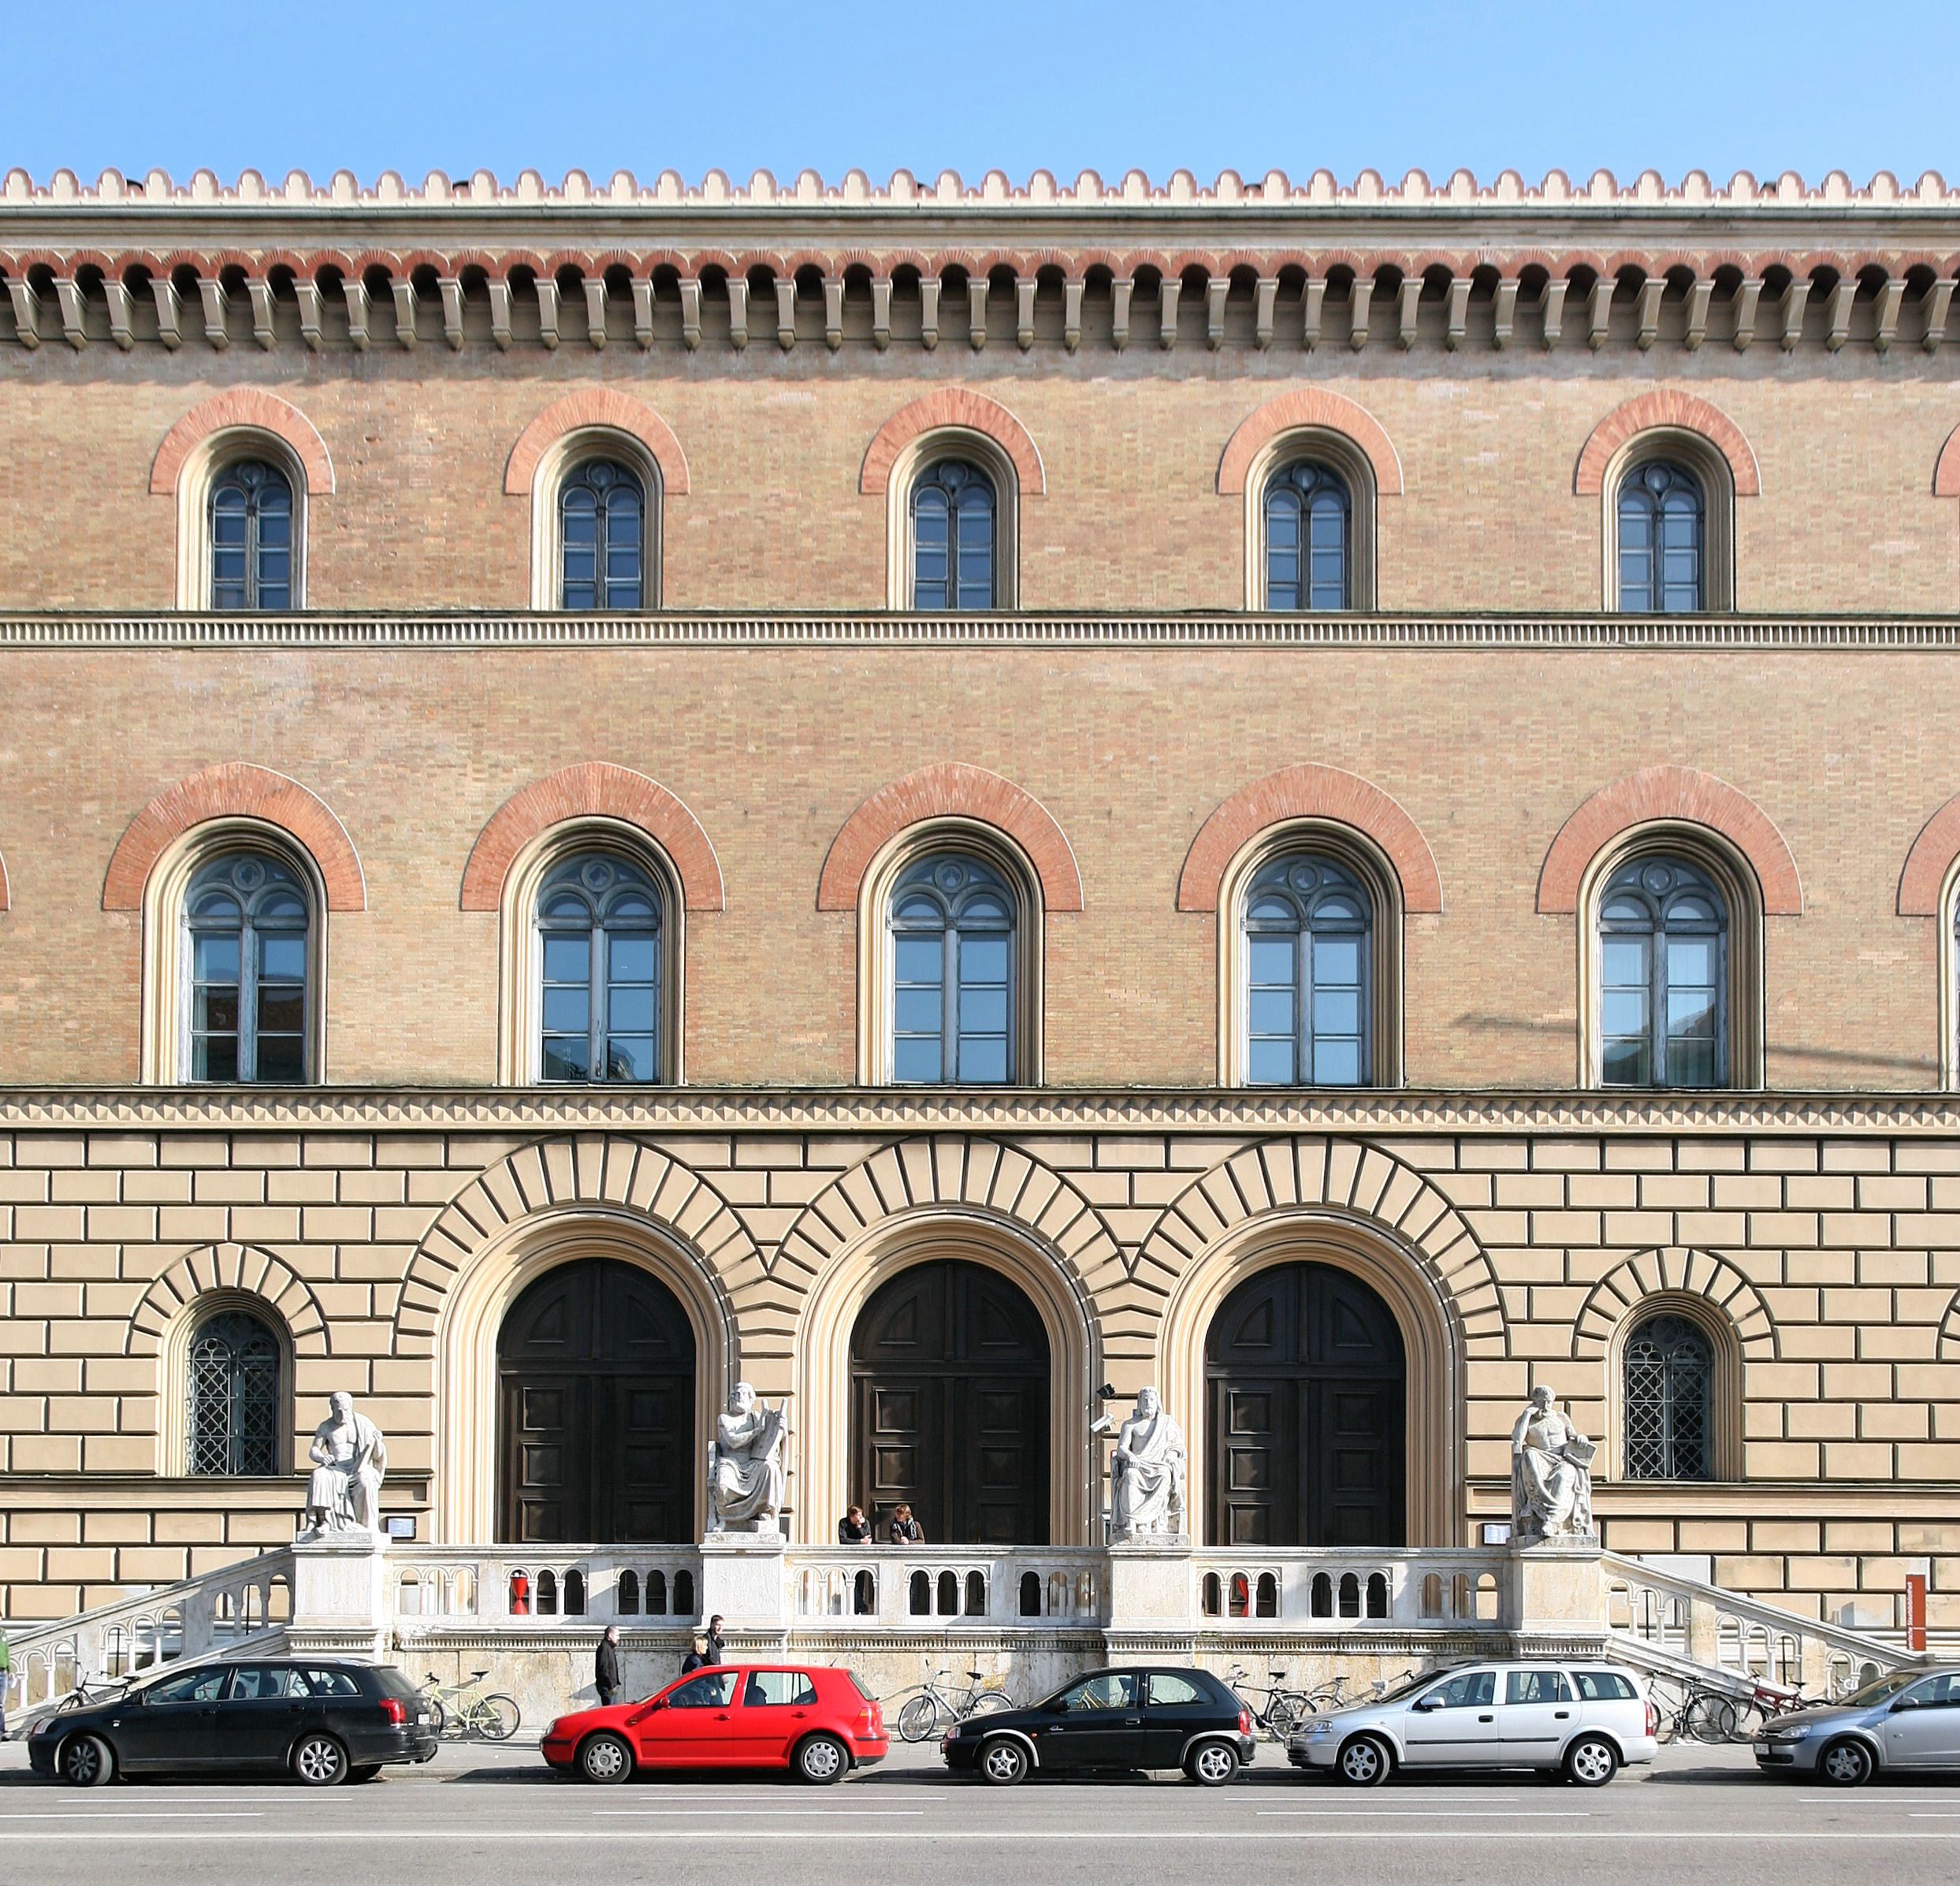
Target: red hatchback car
pixel 815 1721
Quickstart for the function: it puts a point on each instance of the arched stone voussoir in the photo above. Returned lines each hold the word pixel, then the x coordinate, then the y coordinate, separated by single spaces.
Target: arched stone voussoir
pixel 599 1176
pixel 1351 1180
pixel 949 1173
pixel 248 1270
pixel 1949 1331
pixel 1678 1270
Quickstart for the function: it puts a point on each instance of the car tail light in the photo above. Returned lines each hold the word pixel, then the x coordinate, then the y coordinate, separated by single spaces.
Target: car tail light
pixel 1245 1721
pixel 1653 1719
pixel 392 1712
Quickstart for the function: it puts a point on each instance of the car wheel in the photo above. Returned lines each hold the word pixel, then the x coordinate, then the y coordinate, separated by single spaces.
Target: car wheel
pixel 1844 1765
pixel 368 1771
pixel 1363 1763
pixel 85 1761
pixel 1213 1763
pixel 1591 1762
pixel 1003 1762
pixel 320 1761
pixel 604 1758
pixel 821 1760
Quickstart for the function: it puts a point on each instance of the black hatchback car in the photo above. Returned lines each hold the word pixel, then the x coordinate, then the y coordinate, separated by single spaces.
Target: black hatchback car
pixel 323 1720
pixel 1145 1718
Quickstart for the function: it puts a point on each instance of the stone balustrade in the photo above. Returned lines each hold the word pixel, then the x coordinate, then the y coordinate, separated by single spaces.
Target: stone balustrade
pixel 476 1586
pixel 1414 1589
pixel 928 1587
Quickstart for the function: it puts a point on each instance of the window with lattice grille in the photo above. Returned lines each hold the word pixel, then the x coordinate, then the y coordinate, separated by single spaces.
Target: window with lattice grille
pixel 233 1394
pixel 1670 1371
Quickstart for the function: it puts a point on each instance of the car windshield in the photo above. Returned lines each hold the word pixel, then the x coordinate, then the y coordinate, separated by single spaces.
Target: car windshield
pixel 1884 1687
pixel 1409 1686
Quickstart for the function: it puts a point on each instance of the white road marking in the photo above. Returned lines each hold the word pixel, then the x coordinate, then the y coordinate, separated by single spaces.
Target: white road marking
pixel 141 1813
pixel 1426 1813
pixel 316 1835
pixel 751 1813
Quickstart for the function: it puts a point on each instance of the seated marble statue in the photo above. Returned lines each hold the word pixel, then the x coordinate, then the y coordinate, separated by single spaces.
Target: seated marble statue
pixel 744 1465
pixel 1146 1473
pixel 1551 1474
pixel 350 1459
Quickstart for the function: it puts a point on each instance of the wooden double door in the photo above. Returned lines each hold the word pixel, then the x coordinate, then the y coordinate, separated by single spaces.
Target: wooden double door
pixel 595 1392
pixel 949 1406
pixel 1306 1378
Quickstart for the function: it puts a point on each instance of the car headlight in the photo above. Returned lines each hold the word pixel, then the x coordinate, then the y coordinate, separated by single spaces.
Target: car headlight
pixel 1793 1731
pixel 1319 1729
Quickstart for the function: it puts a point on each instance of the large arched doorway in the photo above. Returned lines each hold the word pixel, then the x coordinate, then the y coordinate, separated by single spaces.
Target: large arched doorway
pixel 596 1409
pixel 949 1412
pixel 1305 1393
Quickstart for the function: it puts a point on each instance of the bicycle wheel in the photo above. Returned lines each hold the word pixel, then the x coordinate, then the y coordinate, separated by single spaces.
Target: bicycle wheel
pixel 496 1718
pixel 1711 1718
pixel 989 1702
pixel 918 1718
pixel 1289 1706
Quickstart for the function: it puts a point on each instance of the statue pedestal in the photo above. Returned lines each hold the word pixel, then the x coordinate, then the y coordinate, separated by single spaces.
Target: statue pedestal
pixel 1558 1592
pixel 742 1577
pixel 1152 1596
pixel 339 1593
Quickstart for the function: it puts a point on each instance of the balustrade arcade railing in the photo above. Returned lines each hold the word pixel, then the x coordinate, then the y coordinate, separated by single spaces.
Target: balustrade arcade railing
pixel 449 1586
pixel 922 1587
pixel 1457 1588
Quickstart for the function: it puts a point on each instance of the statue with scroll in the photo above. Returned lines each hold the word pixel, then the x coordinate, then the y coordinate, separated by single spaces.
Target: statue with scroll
pixel 744 1466
pixel 1551 1474
pixel 1147 1474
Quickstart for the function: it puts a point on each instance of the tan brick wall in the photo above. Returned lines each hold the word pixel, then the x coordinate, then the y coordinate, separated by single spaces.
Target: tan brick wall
pixel 1488 446
pixel 1129 749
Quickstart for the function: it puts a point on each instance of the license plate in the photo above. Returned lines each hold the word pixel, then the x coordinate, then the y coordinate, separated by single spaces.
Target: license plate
pixel 1762 1748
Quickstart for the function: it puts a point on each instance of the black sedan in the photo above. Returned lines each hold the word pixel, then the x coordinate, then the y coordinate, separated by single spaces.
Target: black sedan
pixel 322 1719
pixel 1115 1719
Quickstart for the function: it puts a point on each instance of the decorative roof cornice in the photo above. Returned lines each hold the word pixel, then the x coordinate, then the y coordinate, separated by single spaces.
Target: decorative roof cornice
pixel 949 191
pixel 895 1111
pixel 1465 633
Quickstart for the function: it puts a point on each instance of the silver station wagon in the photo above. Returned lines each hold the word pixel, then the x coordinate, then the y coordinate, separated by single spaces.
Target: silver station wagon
pixel 1585 1720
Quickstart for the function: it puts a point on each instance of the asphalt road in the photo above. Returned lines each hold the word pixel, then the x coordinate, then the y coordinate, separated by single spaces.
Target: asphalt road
pixel 496 1815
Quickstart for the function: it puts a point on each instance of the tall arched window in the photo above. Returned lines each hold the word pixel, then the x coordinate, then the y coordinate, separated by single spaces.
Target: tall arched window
pixel 602 537
pixel 599 968
pixel 953 995
pixel 1669 1367
pixel 233 1397
pixel 1663 537
pixel 251 537
pixel 1309 513
pixel 954 504
pixel 1664 931
pixel 1309 926
pixel 246 920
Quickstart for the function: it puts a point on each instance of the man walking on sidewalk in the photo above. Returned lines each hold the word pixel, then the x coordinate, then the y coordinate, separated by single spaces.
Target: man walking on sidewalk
pixel 605 1669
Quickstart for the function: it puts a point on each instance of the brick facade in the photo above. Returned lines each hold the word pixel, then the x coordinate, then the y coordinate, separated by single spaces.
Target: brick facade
pixel 1130 731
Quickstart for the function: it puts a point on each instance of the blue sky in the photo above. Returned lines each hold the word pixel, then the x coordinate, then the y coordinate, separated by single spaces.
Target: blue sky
pixel 1673 84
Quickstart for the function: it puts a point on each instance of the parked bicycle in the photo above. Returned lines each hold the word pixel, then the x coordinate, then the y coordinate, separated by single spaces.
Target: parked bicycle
pixel 921 1715
pixel 1282 1707
pixel 465 1710
pixel 1700 1714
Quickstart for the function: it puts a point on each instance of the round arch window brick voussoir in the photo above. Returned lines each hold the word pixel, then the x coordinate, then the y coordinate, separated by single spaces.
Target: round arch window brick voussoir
pixel 235 791
pixel 1659 795
pixel 951 791
pixel 1669 408
pixel 1303 409
pixel 1308 791
pixel 602 409
pixel 952 408
pixel 243 409
pixel 595 791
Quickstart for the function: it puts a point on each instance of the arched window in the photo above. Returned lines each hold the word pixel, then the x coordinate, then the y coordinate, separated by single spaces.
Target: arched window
pixel 602 537
pixel 1662 540
pixel 1663 977
pixel 953 506
pixel 953 957
pixel 599 968
pixel 1669 1367
pixel 1309 927
pixel 1308 517
pixel 251 537
pixel 233 1397
pixel 246 920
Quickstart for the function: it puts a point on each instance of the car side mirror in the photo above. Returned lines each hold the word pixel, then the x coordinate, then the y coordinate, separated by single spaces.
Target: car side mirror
pixel 1424 1705
pixel 1904 1703
pixel 640 1715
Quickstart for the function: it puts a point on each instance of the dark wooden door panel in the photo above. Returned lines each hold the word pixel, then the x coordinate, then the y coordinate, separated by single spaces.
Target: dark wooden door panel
pixel 949 1406
pixel 1305 1412
pixel 596 1368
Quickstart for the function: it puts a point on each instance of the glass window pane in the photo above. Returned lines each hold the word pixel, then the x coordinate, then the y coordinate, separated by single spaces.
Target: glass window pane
pixel 629 1058
pixel 1270 1062
pixel 217 958
pixel 1691 959
pixel 218 1008
pixel 565 1057
pixel 1337 959
pixel 983 958
pixel 1270 959
pixel 281 1059
pixel 916 1057
pixel 214 1058
pixel 630 1010
pixel 982 1010
pixel 1624 1063
pixel 632 958
pixel 282 958
pixel 282 1009
pixel 919 959
pixel 1337 1063
pixel 1270 1011
pixel 568 959
pixel 982 1060
pixel 916 1011
pixel 1622 962
pixel 567 1010
pixel 1336 1012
